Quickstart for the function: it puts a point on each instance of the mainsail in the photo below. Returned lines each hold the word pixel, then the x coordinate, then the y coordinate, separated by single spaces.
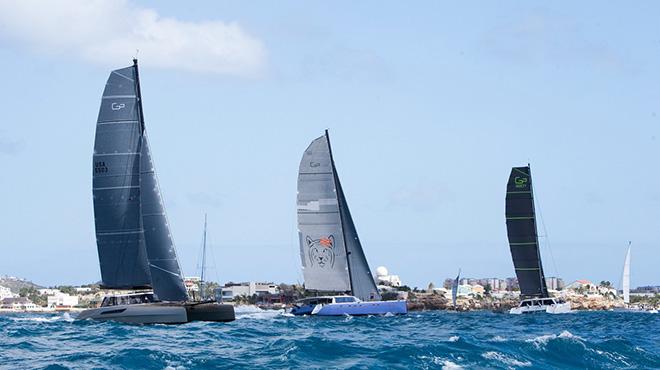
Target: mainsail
pixel 522 233
pixel 626 277
pixel 116 185
pixel 330 249
pixel 133 239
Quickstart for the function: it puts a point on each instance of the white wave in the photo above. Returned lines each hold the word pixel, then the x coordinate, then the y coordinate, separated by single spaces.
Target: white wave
pixel 254 312
pixel 448 365
pixel 542 340
pixel 498 338
pixel 454 338
pixel 65 317
pixel 507 360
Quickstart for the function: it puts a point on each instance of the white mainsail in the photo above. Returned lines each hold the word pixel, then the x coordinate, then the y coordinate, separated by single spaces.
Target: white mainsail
pixel 625 281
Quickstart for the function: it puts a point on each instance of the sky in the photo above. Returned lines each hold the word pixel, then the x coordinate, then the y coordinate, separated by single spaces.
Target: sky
pixel 428 106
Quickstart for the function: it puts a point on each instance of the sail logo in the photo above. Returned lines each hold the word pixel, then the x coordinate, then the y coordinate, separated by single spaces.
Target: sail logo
pixel 115 106
pixel 321 251
pixel 314 164
pixel 521 182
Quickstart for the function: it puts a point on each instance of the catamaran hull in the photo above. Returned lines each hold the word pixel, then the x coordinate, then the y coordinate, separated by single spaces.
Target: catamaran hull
pixel 553 309
pixel 161 313
pixel 354 309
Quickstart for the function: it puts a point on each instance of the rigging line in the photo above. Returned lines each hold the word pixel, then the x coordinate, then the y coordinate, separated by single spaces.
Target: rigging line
pixel 545 235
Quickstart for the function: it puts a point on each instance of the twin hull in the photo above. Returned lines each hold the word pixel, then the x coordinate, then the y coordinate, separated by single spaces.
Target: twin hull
pixel 161 313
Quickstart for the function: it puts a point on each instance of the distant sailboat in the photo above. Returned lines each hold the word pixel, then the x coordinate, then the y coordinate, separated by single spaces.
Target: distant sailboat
pixel 625 281
pixel 135 247
pixel 454 288
pixel 524 245
pixel 330 250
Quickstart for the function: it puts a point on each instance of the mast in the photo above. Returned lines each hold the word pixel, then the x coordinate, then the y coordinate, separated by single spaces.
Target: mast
pixel 139 94
pixel 339 205
pixel 202 292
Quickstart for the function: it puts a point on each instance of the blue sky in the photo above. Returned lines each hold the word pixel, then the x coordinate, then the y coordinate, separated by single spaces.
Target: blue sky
pixel 428 107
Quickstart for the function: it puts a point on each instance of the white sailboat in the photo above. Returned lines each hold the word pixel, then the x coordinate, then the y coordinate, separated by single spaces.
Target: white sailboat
pixel 625 279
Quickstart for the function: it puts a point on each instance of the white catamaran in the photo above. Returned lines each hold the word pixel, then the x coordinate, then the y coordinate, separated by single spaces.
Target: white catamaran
pixel 135 247
pixel 524 244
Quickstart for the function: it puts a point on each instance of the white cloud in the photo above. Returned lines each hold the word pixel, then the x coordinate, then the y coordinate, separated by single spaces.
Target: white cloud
pixel 109 31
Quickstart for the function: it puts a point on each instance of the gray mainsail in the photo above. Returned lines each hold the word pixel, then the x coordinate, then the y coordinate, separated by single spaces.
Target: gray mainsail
pixel 116 185
pixel 522 233
pixel 134 242
pixel 330 250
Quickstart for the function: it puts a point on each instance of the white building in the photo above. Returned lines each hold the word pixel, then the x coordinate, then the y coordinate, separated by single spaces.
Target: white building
pixel 62 300
pixel 6 293
pixel 248 289
pixel 18 304
pixel 384 278
pixel 83 289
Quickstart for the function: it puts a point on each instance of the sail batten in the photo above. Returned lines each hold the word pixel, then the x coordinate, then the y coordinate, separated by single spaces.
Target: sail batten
pixel 522 233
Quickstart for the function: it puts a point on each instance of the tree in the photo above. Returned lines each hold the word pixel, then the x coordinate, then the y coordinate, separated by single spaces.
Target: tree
pixel 488 289
pixel 605 283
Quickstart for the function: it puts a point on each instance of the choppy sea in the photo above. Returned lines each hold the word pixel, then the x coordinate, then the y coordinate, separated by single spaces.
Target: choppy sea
pixel 274 339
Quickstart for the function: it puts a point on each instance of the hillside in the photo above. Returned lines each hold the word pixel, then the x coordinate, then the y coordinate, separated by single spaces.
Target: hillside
pixel 15 284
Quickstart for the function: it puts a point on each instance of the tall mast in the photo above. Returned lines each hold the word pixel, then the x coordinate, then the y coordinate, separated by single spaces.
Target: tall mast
pixel 339 206
pixel 139 94
pixel 202 278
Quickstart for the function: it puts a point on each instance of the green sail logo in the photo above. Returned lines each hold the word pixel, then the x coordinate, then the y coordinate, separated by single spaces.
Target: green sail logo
pixel 521 182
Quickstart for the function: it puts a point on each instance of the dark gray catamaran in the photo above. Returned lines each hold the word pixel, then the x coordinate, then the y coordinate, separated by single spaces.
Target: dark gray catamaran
pixel 135 246
pixel 332 257
pixel 524 244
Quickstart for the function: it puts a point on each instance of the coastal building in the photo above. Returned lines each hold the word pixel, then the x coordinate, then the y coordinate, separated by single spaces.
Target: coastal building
pixel 478 289
pixel 6 293
pixel 192 284
pixel 464 290
pixel 554 283
pixel 62 300
pixel 18 304
pixel 248 289
pixel 383 277
pixel 83 289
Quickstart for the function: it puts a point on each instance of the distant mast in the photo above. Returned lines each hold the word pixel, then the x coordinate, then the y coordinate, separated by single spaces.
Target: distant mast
pixel 626 277
pixel 202 279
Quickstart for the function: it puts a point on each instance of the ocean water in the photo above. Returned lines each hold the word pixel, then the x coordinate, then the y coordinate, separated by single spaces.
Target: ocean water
pixel 274 339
